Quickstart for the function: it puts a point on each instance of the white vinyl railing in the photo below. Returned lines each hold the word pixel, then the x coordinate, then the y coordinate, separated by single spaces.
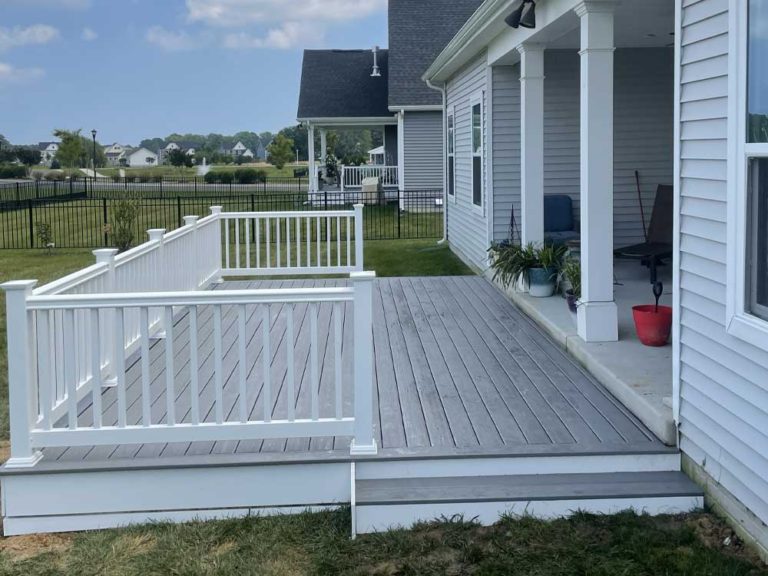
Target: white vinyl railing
pixel 292 243
pixel 352 176
pixel 86 340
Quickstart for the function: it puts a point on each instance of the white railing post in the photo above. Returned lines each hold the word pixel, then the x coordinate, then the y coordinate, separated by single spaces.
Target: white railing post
pixel 107 256
pixel 163 276
pixel 20 374
pixel 363 443
pixel 198 263
pixel 216 211
pixel 343 177
pixel 358 237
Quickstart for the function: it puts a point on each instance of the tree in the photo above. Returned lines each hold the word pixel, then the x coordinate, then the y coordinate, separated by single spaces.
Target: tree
pixel 27 156
pixel 153 144
pixel 280 151
pixel 298 134
pixel 76 151
pixel 179 159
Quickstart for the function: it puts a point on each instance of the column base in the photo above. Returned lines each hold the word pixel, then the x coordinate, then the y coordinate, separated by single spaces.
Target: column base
pixel 598 322
pixel 28 462
pixel 369 450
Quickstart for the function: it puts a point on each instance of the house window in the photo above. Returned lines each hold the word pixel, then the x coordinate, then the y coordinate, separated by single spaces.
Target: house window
pixel 477 151
pixel 451 155
pixel 756 164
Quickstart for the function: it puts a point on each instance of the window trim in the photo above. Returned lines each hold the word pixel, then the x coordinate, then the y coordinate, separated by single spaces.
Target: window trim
pixel 739 322
pixel 451 136
pixel 477 99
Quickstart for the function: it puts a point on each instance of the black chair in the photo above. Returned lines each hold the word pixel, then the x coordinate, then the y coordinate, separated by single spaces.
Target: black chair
pixel 658 244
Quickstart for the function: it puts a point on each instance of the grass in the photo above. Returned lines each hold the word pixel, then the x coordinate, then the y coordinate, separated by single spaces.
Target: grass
pixel 387 258
pixel 272 171
pixel 624 544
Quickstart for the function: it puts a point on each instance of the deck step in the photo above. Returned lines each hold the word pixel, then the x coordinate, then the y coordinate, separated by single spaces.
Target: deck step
pixel 388 503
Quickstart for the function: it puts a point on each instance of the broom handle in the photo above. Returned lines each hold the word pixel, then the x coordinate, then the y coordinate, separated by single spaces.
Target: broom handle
pixel 640 200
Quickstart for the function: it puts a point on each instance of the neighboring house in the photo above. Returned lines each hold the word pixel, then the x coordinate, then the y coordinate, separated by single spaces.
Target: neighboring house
pixel 117 154
pixel 573 107
pixel 239 149
pixel 48 151
pixel 188 147
pixel 260 154
pixel 382 89
pixel 248 154
pixel 142 158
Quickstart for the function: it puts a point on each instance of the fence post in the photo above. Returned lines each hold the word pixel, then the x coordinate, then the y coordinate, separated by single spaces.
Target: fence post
pixel 18 194
pixel 358 237
pixel 195 185
pixel 55 189
pixel 71 191
pixel 20 382
pixel 31 218
pixel 37 189
pixel 197 262
pixel 363 443
pixel 105 217
pixel 107 256
pixel 216 211
pixel 178 210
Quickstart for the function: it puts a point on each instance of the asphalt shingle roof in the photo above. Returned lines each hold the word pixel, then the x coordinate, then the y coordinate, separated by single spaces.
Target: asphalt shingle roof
pixel 338 84
pixel 418 31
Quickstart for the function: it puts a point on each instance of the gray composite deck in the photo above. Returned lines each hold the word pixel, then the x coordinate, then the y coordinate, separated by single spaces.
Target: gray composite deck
pixel 458 370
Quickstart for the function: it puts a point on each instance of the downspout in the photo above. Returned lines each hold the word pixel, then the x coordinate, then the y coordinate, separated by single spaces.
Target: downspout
pixel 442 91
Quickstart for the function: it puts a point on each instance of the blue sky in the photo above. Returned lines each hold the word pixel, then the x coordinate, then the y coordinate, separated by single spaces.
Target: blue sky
pixel 136 69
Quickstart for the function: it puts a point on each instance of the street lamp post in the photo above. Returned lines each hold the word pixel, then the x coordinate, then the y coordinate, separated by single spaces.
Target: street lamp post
pixel 93 133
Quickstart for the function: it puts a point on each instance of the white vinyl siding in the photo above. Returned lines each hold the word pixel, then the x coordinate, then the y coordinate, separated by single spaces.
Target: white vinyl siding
pixel 506 150
pixel 423 144
pixel 724 380
pixel 467 224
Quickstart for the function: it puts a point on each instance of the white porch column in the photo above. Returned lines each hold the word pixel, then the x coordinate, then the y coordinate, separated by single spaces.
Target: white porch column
pixel 401 159
pixel 311 159
pixel 532 142
pixel 597 316
pixel 323 149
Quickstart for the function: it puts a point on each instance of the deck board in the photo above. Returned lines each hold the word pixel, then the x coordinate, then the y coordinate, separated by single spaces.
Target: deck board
pixel 456 368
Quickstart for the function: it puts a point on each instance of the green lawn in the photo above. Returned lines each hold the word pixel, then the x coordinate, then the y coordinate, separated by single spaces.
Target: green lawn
pixel 624 544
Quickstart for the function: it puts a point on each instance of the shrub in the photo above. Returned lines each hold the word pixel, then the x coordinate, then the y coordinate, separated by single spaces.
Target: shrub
pixel 44 234
pixel 211 178
pixel 261 176
pixel 13 171
pixel 246 176
pixel 122 226
pixel 226 177
pixel 56 175
pixel 55 164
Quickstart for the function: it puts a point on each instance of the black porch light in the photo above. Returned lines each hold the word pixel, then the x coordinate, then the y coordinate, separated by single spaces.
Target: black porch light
pixel 524 15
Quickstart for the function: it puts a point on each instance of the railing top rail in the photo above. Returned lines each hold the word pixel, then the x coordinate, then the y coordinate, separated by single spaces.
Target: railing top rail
pixel 288 214
pixel 205 298
pixel 71 280
pixel 134 253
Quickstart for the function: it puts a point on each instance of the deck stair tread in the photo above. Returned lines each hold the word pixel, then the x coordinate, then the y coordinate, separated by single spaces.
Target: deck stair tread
pixel 407 491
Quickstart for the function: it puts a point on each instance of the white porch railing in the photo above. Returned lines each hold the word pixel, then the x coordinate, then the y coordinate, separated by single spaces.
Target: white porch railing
pixel 292 243
pixel 352 176
pixel 70 342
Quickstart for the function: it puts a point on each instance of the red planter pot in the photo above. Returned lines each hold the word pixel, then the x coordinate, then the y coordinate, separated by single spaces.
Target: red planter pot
pixel 653 328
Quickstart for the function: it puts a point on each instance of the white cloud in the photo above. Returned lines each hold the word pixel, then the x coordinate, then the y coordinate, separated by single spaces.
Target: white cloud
pixel 169 40
pixel 234 13
pixel 20 36
pixel 88 34
pixel 289 35
pixel 11 75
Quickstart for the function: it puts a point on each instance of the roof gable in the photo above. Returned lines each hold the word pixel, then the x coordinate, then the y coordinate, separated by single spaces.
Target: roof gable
pixel 338 84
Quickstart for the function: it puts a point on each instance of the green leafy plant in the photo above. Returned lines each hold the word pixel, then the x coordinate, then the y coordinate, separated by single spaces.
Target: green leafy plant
pixel 44 234
pixel 511 262
pixel 571 273
pixel 122 226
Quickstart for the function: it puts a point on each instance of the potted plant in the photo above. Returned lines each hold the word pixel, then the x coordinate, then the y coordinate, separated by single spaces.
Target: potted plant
pixel 572 275
pixel 511 262
pixel 536 266
pixel 653 323
pixel 543 275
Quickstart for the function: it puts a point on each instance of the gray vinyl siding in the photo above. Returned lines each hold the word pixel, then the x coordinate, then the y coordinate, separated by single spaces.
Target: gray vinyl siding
pixel 467 225
pixel 506 149
pixel 644 110
pixel 423 143
pixel 724 380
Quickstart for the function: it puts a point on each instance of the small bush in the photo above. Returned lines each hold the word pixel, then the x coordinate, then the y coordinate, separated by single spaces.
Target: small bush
pixel 56 175
pixel 226 177
pixel 211 178
pixel 246 176
pixel 122 226
pixel 13 171
pixel 44 234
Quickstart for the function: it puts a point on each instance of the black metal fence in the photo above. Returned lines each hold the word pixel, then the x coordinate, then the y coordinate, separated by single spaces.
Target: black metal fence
pixel 78 220
pixel 145 187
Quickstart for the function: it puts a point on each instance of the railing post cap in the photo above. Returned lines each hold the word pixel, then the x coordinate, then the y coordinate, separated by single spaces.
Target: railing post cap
pixel 19 285
pixel 189 220
pixel 156 234
pixel 105 254
pixel 216 209
pixel 358 206
pixel 367 275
